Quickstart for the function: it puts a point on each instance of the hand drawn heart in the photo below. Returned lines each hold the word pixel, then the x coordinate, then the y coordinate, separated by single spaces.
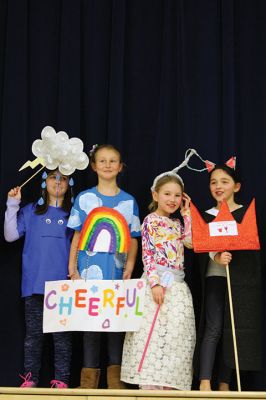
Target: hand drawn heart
pixel 106 324
pixel 63 321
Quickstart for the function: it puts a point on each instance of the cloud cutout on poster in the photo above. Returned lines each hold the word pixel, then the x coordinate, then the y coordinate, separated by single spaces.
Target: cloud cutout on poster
pixel 74 219
pixel 92 272
pixel 89 201
pixel 125 207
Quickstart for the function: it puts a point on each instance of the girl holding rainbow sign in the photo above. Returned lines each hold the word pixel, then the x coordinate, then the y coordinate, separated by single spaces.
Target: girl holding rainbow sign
pixel 104 246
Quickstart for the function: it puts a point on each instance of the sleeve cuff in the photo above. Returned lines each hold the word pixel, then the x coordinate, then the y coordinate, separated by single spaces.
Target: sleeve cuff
pixel 186 213
pixel 212 254
pixel 154 280
pixel 12 202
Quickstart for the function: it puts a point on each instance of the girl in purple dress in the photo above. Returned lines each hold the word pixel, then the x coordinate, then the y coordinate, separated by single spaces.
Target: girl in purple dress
pixel 45 258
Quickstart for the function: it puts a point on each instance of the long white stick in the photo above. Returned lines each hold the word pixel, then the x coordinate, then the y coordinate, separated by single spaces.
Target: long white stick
pixel 24 183
pixel 233 328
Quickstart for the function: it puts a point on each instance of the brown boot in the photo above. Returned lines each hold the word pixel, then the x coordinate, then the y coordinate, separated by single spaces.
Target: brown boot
pixel 113 377
pixel 89 378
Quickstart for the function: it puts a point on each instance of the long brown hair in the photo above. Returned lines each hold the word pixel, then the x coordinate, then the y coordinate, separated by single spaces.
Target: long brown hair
pixel 66 205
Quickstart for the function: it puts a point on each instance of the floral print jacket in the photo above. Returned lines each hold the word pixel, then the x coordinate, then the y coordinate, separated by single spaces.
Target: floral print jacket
pixel 163 241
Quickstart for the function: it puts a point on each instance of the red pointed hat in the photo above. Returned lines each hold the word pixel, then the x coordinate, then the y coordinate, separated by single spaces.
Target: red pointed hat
pixel 224 233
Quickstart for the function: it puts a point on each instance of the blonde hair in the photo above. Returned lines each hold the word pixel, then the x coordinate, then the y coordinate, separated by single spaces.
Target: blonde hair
pixel 159 183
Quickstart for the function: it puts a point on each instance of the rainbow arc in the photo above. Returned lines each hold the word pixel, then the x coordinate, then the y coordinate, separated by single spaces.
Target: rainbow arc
pixel 105 219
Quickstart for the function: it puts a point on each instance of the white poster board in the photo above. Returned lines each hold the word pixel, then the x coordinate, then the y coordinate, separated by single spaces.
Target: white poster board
pixel 93 305
pixel 223 228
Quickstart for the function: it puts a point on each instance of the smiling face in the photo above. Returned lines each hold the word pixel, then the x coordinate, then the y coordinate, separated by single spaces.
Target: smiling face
pixel 223 186
pixel 168 198
pixel 107 164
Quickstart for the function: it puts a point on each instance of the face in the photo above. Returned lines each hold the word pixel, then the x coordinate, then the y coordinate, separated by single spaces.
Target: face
pixel 168 197
pixel 56 184
pixel 222 186
pixel 107 164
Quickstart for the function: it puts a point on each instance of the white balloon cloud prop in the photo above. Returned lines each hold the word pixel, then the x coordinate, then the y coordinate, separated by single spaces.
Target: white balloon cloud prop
pixel 58 151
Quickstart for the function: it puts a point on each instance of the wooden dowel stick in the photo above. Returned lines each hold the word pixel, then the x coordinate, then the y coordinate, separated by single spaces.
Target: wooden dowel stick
pixel 24 183
pixel 233 327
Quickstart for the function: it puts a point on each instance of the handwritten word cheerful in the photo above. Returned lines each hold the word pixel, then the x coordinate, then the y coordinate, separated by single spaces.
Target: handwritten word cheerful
pixel 82 299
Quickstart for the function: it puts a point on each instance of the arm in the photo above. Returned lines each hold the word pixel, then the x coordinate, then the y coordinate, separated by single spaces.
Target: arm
pixel 133 251
pixel 10 224
pixel 131 259
pixel 72 265
pixel 148 254
pixel 186 231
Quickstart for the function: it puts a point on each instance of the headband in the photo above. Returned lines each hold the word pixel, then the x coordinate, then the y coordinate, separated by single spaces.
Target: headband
pixel 188 154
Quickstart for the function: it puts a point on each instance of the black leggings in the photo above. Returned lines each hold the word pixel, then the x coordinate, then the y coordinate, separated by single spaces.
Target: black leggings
pixel 34 342
pixel 215 291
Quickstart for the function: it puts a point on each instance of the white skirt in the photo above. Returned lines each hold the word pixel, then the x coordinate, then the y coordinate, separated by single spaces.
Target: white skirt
pixel 168 360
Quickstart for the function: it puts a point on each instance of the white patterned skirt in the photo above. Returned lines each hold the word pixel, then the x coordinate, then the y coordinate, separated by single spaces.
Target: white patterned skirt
pixel 168 360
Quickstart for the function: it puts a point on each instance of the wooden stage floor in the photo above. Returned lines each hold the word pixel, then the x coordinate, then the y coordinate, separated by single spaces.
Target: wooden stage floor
pixel 11 393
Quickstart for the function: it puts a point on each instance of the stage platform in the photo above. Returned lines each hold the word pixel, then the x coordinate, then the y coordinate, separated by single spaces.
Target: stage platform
pixel 11 393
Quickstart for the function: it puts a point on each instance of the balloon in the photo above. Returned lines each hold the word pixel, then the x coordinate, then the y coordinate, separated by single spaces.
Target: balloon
pixel 37 147
pixel 48 133
pixel 83 161
pixel 66 171
pixel 65 148
pixel 50 163
pixel 62 136
pixel 76 145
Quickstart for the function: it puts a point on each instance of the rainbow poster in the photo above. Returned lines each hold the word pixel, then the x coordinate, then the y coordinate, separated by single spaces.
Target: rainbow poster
pixel 105 230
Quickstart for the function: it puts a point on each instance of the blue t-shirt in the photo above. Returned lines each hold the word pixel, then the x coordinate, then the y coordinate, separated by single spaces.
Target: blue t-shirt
pixel 103 264
pixel 46 247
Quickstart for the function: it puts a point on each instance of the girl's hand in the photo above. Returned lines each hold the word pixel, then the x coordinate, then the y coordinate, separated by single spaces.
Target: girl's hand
pixel 15 193
pixel 158 294
pixel 127 274
pixel 184 209
pixel 223 258
pixel 75 275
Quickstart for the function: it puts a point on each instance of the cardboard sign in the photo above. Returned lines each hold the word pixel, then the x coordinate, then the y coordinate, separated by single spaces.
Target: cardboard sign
pixel 93 305
pixel 224 233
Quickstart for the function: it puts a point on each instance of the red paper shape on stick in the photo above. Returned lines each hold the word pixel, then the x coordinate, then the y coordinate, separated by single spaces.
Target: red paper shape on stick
pixel 224 233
